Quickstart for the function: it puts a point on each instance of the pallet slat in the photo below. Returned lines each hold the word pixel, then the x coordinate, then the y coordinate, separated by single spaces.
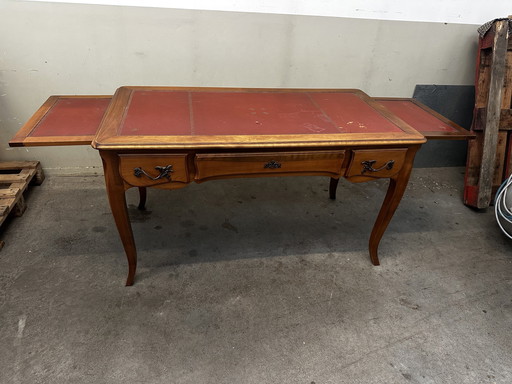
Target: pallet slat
pixel 4 209
pixel 7 179
pixel 15 176
pixel 505 123
pixel 10 165
pixel 9 192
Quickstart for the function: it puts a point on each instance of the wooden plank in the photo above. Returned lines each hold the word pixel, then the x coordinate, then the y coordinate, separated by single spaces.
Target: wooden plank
pixel 480 119
pixel 483 78
pixel 22 165
pixel 5 179
pixel 4 209
pixel 11 165
pixel 506 105
pixel 7 201
pixel 9 192
pixel 6 205
pixel 499 163
pixel 506 119
pixel 506 102
pixel 487 40
pixel 508 160
pixel 493 113
pixel 475 149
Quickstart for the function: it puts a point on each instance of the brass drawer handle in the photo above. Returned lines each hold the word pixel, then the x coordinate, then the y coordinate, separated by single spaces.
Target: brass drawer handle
pixel 272 165
pixel 368 166
pixel 164 172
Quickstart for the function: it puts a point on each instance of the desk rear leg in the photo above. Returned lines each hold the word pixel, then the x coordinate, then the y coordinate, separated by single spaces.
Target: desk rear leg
pixel 332 188
pixel 142 198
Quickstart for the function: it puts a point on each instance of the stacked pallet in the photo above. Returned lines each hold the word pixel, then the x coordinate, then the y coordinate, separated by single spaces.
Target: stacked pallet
pixel 15 176
pixel 490 154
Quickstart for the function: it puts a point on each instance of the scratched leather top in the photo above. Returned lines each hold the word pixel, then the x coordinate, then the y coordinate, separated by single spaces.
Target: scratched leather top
pixel 72 116
pixel 241 113
pixel 218 117
pixel 418 118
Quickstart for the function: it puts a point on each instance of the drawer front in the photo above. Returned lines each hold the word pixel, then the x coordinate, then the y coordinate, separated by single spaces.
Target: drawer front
pixel 149 170
pixel 267 164
pixel 376 163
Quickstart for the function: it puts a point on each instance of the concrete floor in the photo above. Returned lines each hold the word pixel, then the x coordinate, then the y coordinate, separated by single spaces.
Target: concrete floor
pixel 256 281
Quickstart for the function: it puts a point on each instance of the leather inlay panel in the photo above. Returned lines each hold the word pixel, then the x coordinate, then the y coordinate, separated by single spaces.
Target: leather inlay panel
pixel 158 113
pixel 72 117
pixel 416 117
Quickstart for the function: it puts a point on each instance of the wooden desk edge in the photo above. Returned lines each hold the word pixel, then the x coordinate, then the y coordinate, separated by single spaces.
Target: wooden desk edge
pixel 52 141
pixel 250 142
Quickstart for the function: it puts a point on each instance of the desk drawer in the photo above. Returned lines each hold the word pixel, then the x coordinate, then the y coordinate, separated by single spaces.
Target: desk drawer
pixel 148 170
pixel 376 163
pixel 327 163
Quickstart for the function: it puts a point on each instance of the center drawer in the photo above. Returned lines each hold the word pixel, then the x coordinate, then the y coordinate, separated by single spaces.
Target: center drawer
pixel 218 165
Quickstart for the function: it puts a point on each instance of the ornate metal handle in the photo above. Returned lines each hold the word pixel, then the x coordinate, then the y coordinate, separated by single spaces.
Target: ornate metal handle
pixel 164 172
pixel 368 166
pixel 272 165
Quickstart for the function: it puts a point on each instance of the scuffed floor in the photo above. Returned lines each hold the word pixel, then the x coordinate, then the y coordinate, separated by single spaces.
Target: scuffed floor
pixel 256 281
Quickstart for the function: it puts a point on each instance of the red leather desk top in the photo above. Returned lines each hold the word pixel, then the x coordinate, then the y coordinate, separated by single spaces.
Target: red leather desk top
pixel 262 113
pixel 63 120
pixel 71 120
pixel 75 116
pixel 424 120
pixel 168 118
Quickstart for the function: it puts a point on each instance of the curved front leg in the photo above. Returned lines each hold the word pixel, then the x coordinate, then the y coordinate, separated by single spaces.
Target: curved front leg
pixel 396 189
pixel 117 200
pixel 394 194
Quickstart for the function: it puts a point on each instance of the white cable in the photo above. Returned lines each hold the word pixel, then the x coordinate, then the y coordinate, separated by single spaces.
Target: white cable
pixel 501 210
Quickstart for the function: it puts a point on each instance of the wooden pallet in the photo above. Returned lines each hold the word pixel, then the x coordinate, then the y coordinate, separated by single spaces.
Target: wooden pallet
pixel 489 157
pixel 15 176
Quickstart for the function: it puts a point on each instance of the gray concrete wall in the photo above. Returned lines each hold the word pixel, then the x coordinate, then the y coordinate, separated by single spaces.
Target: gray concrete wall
pixel 48 48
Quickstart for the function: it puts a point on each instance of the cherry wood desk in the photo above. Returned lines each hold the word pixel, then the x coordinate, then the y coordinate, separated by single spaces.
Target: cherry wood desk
pixel 162 137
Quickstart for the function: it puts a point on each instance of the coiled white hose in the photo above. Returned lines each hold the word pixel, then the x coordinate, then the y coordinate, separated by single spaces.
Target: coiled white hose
pixel 503 207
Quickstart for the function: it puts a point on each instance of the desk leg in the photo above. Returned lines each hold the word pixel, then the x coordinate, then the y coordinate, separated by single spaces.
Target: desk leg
pixel 117 200
pixel 142 198
pixel 396 189
pixel 332 188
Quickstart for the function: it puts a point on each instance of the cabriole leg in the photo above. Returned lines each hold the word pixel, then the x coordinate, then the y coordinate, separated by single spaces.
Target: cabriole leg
pixel 117 200
pixel 396 189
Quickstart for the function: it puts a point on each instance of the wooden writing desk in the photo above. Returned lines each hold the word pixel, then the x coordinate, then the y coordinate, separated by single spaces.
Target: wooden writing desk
pixel 163 137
